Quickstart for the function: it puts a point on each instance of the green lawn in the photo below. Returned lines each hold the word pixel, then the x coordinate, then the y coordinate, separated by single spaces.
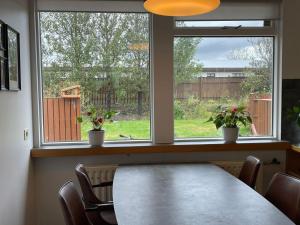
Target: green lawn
pixel 140 129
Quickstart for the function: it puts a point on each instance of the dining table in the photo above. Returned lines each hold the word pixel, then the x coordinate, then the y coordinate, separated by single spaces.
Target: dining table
pixel 188 194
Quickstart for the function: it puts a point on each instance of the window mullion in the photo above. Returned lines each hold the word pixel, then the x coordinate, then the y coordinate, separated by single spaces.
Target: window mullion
pixel 162 79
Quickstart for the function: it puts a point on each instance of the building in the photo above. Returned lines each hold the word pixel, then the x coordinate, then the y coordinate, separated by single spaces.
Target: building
pixel 223 72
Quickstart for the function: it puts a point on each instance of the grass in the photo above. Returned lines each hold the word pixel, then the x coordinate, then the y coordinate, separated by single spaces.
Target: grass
pixel 137 129
pixel 140 129
pixel 201 128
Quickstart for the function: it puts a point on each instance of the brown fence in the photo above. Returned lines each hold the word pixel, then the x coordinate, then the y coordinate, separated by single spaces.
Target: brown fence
pixel 60 114
pixel 111 100
pixel 260 109
pixel 60 122
pixel 210 87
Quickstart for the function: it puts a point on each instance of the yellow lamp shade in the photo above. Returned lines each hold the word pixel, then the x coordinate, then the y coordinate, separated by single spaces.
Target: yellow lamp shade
pixel 180 7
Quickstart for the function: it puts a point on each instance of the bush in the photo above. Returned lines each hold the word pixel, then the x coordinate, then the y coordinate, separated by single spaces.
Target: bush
pixel 194 108
pixel 178 110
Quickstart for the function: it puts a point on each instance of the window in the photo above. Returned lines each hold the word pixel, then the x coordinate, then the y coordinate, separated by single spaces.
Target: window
pixel 103 58
pixel 224 24
pixel 209 74
pixel 94 59
pixel 237 74
pixel 197 93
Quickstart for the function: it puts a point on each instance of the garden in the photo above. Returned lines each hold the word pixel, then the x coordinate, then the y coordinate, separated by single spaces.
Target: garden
pixel 85 64
pixel 190 121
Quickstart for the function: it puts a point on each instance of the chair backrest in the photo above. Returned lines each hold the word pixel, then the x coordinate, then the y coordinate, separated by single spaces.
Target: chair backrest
pixel 249 171
pixel 284 193
pixel 72 206
pixel 89 196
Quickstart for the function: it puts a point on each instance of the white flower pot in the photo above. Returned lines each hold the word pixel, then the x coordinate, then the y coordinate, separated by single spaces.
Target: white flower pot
pixel 230 134
pixel 96 137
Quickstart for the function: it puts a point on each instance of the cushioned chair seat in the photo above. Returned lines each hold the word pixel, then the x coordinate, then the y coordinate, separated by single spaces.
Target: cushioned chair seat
pixel 109 217
pixel 249 171
pixel 284 193
pixel 91 200
pixel 74 211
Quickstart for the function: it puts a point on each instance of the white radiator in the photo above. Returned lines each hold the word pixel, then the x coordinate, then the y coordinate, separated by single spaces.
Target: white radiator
pixel 100 174
pixel 104 173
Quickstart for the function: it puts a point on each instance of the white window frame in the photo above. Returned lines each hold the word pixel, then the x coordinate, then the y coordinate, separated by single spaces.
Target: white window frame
pixel 272 31
pixel 162 33
pixel 38 88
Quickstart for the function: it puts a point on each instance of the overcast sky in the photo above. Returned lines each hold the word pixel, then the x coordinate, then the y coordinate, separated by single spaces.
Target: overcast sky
pixel 215 52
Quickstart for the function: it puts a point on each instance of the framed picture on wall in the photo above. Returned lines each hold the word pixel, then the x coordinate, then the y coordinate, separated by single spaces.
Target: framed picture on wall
pixel 3 59
pixel 13 58
pixel 3 74
pixel 2 38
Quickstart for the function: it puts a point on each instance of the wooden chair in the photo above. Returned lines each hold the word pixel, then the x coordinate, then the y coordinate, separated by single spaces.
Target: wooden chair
pixel 73 209
pixel 284 193
pixel 89 197
pixel 250 170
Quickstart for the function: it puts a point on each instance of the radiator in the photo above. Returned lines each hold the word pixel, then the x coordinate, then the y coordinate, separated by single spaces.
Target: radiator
pixel 104 173
pixel 100 174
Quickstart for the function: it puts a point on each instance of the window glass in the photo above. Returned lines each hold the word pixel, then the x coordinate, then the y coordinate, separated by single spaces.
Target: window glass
pixel 213 71
pixel 223 24
pixel 95 59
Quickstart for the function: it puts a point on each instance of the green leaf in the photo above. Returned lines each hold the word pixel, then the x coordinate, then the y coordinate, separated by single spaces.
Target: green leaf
pixel 109 115
pixel 249 119
pixel 296 109
pixel 79 119
pixel 241 108
pixel 298 120
pixel 219 124
pixel 210 119
pixel 243 122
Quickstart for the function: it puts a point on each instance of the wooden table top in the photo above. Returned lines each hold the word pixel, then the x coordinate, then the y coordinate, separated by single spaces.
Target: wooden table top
pixel 188 194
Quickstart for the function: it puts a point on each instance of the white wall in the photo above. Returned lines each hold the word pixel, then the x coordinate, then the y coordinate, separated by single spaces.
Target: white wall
pixel 15 115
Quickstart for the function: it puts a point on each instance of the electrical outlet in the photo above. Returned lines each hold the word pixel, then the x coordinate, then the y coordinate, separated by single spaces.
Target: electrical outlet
pixel 26 134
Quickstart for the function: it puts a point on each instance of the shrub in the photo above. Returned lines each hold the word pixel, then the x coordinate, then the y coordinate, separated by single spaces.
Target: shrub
pixel 178 110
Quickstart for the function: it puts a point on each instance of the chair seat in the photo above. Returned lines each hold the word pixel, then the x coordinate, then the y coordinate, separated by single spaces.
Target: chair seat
pixel 109 217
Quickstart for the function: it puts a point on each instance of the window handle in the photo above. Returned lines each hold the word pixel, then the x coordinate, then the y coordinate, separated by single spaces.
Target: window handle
pixel 230 27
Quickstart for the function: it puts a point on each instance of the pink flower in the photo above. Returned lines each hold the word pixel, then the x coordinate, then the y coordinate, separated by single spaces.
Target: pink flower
pixel 234 109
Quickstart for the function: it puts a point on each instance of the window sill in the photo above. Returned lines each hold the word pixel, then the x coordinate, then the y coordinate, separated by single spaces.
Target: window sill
pixel 178 147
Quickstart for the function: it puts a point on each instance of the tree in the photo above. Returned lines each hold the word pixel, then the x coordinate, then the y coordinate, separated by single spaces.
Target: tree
pixel 93 50
pixel 185 67
pixel 111 32
pixel 68 46
pixel 105 50
pixel 260 57
pixel 137 60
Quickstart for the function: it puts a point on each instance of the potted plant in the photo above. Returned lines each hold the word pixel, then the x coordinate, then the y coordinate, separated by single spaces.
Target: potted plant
pixel 294 114
pixel 96 135
pixel 229 118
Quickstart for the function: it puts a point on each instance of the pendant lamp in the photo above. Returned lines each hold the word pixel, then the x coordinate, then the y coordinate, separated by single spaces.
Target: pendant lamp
pixel 180 7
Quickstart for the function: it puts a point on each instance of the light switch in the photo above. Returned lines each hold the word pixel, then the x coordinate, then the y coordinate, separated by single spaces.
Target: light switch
pixel 26 134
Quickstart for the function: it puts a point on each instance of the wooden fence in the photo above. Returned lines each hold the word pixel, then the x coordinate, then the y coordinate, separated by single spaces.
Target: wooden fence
pixel 60 123
pixel 110 100
pixel 210 88
pixel 260 108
